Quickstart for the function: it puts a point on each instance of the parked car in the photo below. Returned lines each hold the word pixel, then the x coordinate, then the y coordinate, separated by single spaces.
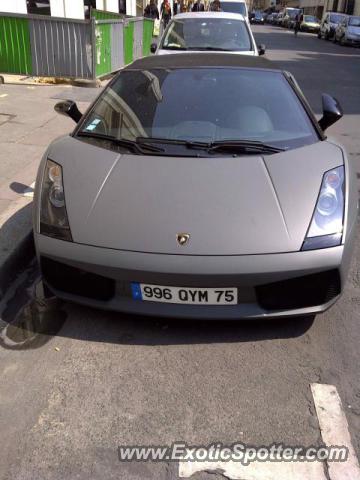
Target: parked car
pixel 274 17
pixel 310 24
pixel 269 18
pixel 348 31
pixel 329 23
pixel 289 16
pixel 258 18
pixel 278 19
pixel 208 31
pixel 185 191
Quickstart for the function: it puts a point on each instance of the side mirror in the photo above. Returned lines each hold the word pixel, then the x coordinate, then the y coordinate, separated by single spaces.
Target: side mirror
pixel 332 111
pixel 68 108
pixel 261 49
pixel 153 47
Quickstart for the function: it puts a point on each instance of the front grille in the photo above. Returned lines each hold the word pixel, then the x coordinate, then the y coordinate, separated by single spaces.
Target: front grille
pixel 76 281
pixel 300 292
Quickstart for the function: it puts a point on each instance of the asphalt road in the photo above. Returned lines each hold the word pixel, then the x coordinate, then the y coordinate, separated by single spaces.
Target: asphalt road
pixel 76 382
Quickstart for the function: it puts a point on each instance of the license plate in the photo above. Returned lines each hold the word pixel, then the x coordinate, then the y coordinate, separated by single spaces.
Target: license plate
pixel 184 295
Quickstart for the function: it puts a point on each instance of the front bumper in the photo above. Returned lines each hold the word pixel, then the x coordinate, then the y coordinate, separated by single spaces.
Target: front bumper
pixel 309 29
pixel 272 285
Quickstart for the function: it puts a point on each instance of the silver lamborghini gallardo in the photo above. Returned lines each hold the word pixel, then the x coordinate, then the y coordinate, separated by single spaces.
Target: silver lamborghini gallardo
pixel 197 185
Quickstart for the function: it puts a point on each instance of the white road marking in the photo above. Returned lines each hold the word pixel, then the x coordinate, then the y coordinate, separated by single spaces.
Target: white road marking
pixel 3 95
pixel 29 192
pixel 257 470
pixel 335 430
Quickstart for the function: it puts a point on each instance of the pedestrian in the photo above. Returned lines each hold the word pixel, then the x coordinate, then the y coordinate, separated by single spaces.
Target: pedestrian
pixel 176 8
pixel 198 7
pixel 151 10
pixel 215 6
pixel 165 11
pixel 298 19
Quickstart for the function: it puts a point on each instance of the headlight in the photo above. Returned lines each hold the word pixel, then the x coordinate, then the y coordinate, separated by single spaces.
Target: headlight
pixel 53 217
pixel 327 222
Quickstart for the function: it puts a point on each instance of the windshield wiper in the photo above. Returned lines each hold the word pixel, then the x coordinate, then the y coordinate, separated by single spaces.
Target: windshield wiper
pixel 244 145
pixel 220 145
pixel 122 142
pixel 211 49
pixel 171 141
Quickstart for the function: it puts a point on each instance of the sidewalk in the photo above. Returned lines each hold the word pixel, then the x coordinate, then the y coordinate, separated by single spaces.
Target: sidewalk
pixel 28 123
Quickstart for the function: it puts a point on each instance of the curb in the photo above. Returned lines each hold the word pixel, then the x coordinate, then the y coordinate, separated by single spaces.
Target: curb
pixel 16 241
pixel 8 79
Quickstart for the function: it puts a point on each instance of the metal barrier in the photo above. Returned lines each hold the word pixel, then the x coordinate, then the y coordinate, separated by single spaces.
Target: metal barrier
pixel 57 47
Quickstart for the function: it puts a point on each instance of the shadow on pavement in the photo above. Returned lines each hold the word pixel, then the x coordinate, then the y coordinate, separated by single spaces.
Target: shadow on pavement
pixel 14 228
pixel 31 320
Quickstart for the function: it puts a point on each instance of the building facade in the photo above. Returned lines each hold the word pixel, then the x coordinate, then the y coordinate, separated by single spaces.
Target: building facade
pixel 319 7
pixel 79 9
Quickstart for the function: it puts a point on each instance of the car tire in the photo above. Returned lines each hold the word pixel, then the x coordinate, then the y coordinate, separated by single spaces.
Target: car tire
pixel 319 35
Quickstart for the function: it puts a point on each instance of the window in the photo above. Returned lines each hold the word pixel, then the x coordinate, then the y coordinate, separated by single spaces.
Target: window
pixel 233 7
pixel 216 104
pixel 38 7
pixel 354 22
pixel 208 34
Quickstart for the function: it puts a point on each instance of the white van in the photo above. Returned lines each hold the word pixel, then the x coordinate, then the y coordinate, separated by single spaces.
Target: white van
pixel 234 6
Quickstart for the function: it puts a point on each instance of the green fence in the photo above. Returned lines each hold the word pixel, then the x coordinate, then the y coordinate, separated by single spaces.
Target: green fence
pixel 102 15
pixel 39 45
pixel 129 43
pixel 148 28
pixel 15 50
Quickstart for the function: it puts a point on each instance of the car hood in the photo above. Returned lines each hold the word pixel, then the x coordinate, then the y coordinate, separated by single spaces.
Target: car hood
pixel 228 205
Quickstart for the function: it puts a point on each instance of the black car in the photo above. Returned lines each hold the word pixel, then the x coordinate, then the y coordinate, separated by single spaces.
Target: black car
pixel 258 18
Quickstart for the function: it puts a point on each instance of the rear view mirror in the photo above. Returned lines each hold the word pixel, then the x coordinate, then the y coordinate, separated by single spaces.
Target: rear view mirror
pixel 261 49
pixel 153 47
pixel 68 108
pixel 332 111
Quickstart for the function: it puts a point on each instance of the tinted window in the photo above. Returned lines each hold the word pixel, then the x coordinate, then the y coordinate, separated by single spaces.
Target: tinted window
pixel 335 18
pixel 38 7
pixel 203 104
pixel 233 7
pixel 207 34
pixel 310 18
pixel 354 22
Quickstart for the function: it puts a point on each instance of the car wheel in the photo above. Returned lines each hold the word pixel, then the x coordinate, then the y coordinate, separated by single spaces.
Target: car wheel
pixel 319 35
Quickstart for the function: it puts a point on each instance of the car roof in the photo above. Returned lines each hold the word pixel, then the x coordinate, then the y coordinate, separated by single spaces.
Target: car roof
pixel 201 60
pixel 229 15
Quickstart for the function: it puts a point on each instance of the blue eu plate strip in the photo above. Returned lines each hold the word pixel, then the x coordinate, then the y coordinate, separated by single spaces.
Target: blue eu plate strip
pixel 136 291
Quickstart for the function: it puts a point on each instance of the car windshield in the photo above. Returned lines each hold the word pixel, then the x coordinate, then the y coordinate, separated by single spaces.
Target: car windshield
pixel 354 22
pixel 334 18
pixel 208 34
pixel 234 7
pixel 202 105
pixel 310 19
pixel 292 13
